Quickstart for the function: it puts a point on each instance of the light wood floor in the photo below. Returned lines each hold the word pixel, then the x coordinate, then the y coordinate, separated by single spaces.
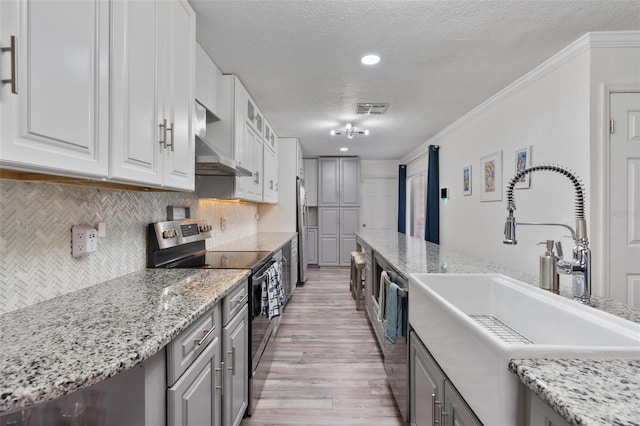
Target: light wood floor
pixel 328 369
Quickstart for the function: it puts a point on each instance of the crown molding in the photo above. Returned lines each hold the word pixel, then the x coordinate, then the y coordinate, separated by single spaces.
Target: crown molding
pixel 600 39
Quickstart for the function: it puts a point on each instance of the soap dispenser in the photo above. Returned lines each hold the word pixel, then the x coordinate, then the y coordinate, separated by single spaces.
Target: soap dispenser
pixel 549 279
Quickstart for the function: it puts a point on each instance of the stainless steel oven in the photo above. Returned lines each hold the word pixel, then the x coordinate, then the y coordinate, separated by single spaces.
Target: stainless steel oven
pixel 181 244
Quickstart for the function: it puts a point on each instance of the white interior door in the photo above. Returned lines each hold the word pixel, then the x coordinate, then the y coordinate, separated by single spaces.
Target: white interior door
pixel 379 203
pixel 624 199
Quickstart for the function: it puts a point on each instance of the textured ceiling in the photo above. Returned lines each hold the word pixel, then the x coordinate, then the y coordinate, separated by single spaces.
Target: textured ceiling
pixel 300 60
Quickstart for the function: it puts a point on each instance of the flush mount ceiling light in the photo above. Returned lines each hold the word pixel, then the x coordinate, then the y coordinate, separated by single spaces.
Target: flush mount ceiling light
pixel 370 59
pixel 350 130
pixel 344 148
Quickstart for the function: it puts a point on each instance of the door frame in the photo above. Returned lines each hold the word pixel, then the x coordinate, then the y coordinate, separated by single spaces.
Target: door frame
pixel 605 218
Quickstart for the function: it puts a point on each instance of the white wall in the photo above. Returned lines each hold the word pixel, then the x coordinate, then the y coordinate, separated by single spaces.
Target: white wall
pixel 557 109
pixel 613 67
pixel 379 168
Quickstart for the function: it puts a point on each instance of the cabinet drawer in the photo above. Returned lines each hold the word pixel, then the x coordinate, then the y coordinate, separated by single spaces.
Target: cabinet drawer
pixel 234 302
pixel 185 348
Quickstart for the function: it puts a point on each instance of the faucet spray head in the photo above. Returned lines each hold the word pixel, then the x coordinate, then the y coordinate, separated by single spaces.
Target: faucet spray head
pixel 510 230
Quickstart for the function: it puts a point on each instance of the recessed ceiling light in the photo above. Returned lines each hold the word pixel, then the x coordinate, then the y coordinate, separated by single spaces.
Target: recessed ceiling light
pixel 370 59
pixel 344 149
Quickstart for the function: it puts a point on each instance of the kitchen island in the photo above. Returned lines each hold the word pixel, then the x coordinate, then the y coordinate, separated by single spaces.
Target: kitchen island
pixel 600 392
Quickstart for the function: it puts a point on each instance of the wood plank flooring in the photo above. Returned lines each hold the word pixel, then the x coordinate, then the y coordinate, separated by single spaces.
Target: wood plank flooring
pixel 327 367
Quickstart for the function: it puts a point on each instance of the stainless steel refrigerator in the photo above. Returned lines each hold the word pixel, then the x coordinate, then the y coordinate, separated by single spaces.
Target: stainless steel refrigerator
pixel 302 223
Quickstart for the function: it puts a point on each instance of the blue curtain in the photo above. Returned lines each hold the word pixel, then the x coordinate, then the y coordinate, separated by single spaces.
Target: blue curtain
pixel 432 227
pixel 402 198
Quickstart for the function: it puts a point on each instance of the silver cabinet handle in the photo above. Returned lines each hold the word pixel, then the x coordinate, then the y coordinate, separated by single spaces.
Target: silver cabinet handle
pixel 163 138
pixel 170 129
pixel 205 337
pixel 443 416
pixel 14 77
pixel 242 301
pixel 232 352
pixel 434 405
pixel 221 387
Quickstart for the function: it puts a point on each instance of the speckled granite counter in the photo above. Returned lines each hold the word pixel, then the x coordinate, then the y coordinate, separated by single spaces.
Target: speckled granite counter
pixel 572 395
pixel 262 241
pixel 591 392
pixel 73 341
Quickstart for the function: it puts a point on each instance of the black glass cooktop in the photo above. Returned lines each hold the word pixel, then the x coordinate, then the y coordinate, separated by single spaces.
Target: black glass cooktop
pixel 234 259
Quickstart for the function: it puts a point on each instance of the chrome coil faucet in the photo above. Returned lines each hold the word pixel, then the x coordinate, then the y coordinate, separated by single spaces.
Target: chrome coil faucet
pixel 580 266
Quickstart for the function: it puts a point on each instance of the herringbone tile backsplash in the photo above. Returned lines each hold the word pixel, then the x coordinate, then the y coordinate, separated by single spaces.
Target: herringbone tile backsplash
pixel 35 235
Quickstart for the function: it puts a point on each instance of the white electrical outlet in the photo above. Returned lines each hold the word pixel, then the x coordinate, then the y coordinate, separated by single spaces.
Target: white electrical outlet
pixel 224 223
pixel 84 240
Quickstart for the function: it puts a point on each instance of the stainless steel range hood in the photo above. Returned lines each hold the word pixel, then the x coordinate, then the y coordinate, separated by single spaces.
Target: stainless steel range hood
pixel 209 160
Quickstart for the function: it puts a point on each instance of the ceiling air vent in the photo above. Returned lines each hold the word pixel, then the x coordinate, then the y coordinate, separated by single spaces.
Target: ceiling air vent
pixel 371 109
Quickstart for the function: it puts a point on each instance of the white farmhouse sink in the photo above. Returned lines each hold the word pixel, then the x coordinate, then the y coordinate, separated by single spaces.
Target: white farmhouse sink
pixel 447 312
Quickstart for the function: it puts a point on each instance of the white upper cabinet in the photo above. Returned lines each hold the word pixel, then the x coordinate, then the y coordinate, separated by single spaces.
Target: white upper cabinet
pixel 58 121
pixel 92 107
pixel 137 91
pixel 242 133
pixel 270 185
pixel 179 153
pixel 153 76
pixel 206 80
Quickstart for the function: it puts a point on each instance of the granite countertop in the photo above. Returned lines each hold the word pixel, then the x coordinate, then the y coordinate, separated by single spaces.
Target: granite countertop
pixel 585 392
pixel 262 241
pixel 78 339
pixel 574 396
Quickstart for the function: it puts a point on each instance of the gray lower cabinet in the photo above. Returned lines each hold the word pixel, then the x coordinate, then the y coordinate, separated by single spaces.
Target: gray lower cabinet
pixel 540 414
pixel 337 234
pixel 194 373
pixel 236 375
pixel 193 400
pixel 434 399
pixel 312 246
pixel 208 366
pixel 425 384
pixel 456 411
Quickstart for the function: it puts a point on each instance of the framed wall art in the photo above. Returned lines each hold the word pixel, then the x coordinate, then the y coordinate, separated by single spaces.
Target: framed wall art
pixel 466 180
pixel 491 171
pixel 523 160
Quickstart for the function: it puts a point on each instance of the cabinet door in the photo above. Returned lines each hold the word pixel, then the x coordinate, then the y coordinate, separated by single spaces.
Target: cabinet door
pixel 456 410
pixel 349 181
pixel 136 92
pixel 312 246
pixel 235 338
pixel 258 165
pixel 425 384
pixel 349 225
pixel 539 413
pixel 328 253
pixel 328 185
pixel 59 119
pixel 195 400
pixel 239 118
pixel 311 181
pixel 206 80
pixel 179 58
pixel 300 170
pixel 269 194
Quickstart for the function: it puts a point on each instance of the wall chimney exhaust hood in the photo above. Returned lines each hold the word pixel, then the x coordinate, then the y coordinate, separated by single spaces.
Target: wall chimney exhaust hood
pixel 209 160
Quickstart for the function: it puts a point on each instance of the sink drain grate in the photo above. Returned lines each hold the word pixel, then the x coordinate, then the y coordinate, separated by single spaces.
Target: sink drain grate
pixel 500 329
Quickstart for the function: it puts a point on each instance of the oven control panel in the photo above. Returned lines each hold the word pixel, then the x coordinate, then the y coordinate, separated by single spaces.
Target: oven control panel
pixel 177 232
